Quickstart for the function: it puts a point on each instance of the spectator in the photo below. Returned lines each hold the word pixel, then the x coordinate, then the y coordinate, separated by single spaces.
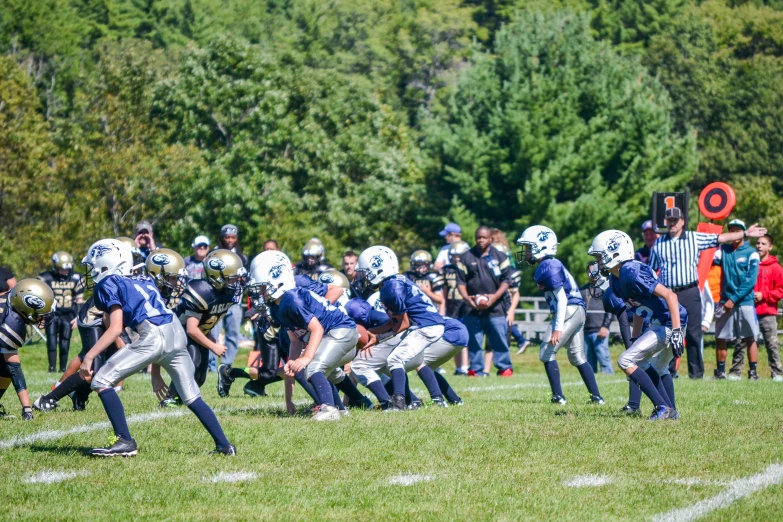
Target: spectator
pixel 596 326
pixel 676 255
pixel 7 280
pixel 485 272
pixel 451 233
pixel 767 295
pixel 499 237
pixel 271 244
pixel 145 239
pixel 349 265
pixel 649 236
pixel 194 263
pixel 736 315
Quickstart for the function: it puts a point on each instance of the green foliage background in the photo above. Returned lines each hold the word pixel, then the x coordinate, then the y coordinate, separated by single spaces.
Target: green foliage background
pixel 377 121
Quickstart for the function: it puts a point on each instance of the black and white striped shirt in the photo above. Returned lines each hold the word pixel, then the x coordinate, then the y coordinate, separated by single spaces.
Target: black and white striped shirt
pixel 678 258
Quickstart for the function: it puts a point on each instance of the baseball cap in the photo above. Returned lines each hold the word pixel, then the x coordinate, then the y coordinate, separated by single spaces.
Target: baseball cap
pixel 673 213
pixel 229 230
pixel 143 225
pixel 201 240
pixel 737 223
pixel 451 228
pixel 647 225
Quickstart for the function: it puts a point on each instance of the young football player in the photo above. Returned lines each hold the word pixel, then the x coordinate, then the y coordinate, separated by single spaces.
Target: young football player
pixel 453 305
pixel 31 302
pixel 136 302
pixel 312 264
pixel 421 273
pixel 636 284
pixel 567 307
pixel 68 293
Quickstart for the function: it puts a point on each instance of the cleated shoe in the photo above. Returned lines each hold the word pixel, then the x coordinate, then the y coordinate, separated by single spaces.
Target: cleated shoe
pixel 508 372
pixel 45 405
pixel 597 399
pixel 364 404
pixel 344 412
pixel 661 413
pixel 439 402
pixel 327 413
pixel 631 411
pixel 458 402
pixel 718 375
pixel 78 403
pixel 753 375
pixel 777 378
pixel 170 402
pixel 674 415
pixel 414 405
pixel 733 377
pixel 458 372
pixel 229 451
pixel 397 403
pixel 117 447
pixel 224 381
pixel 254 389
pixel 558 399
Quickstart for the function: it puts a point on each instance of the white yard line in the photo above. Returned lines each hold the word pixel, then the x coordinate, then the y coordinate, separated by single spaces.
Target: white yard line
pixel 736 490
pixel 533 385
pixel 589 481
pixel 52 477
pixel 225 476
pixel 409 479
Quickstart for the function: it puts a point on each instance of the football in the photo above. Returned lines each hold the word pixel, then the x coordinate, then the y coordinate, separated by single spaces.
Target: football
pixel 482 301
pixel 363 337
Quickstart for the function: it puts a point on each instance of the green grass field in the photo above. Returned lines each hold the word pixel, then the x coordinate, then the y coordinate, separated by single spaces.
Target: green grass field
pixel 506 455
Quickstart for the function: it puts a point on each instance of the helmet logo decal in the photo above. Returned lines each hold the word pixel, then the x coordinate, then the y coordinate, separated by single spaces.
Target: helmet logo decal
pixel 613 244
pixel 376 261
pixel 33 301
pixel 161 259
pixel 217 264
pixel 276 271
pixel 100 251
pixel 327 278
pixel 543 235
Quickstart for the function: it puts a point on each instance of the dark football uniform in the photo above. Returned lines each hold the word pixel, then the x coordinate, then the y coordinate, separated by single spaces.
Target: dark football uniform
pixel 434 279
pixel 66 289
pixel 13 334
pixel 455 304
pixel 312 273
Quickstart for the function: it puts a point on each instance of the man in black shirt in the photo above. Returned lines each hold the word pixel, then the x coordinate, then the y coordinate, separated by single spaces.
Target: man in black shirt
pixel 483 278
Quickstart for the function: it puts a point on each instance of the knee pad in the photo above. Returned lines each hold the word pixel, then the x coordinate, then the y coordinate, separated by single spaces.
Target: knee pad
pixel 17 376
pixel 577 356
pixel 625 361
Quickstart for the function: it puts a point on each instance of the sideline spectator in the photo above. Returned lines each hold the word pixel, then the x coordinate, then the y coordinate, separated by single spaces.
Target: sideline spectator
pixel 767 295
pixel 736 315
pixel 596 326
pixel 499 237
pixel 349 265
pixel 485 271
pixel 270 244
pixel 145 239
pixel 7 280
pixel 451 233
pixel 676 255
pixel 649 236
pixel 194 263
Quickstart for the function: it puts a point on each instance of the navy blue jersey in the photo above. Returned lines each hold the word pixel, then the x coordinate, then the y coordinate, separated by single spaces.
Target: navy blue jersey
pixel 613 304
pixel 400 296
pixel 13 330
pixel 455 332
pixel 315 286
pixel 206 303
pixel 551 275
pixel 635 286
pixel 138 296
pixel 299 306
pixel 364 314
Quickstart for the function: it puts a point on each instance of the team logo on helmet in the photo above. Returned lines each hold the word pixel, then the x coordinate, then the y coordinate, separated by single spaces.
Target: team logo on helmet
pixel 100 250
pixel 327 278
pixel 33 301
pixel 161 259
pixel 543 235
pixel 276 271
pixel 613 244
pixel 217 264
pixel 376 261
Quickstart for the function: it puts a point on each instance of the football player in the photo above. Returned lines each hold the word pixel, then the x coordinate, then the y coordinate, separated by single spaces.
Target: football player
pixel 421 273
pixel 313 260
pixel 68 293
pixel 636 284
pixel 136 302
pixel 31 302
pixel 567 307
pixel 453 305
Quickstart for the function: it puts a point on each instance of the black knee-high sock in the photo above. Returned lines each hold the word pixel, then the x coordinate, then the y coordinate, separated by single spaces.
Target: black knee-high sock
pixel 209 421
pixel 634 395
pixel 379 390
pixel 349 388
pixel 338 402
pixel 641 378
pixel 398 378
pixel 115 411
pixel 172 390
pixel 238 373
pixel 65 387
pixel 83 391
pixel 588 376
pixel 302 381
pixel 553 374
pixel 323 389
pixel 427 376
pixel 446 388
pixel 656 380
pixel 668 385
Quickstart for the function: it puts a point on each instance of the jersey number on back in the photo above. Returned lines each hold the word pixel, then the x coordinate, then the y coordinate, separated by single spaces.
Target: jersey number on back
pixel 148 305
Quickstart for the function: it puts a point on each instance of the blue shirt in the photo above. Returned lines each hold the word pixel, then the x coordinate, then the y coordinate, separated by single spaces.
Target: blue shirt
pixel 613 304
pixel 364 314
pixel 311 284
pixel 551 275
pixel 138 296
pixel 400 296
pixel 635 286
pixel 299 306
pixel 455 332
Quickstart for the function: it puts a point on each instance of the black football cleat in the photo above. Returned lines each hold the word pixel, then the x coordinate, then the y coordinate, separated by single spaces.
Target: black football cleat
pixel 458 402
pixel 118 448
pixel 661 413
pixel 170 402
pixel 631 411
pixel 254 389
pixel 397 403
pixel 415 404
pixel 439 402
pixel 45 405
pixel 229 451
pixel 224 380
pixel 558 399
pixel 753 375
pixel 718 375
pixel 597 399
pixel 78 403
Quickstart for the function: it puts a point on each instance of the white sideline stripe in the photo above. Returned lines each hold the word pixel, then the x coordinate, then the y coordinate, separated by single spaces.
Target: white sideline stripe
pixel 51 476
pixel 409 479
pixel 225 476
pixel 589 481
pixel 737 489
pixel 532 385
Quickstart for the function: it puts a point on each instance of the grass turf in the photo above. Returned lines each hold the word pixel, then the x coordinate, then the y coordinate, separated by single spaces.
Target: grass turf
pixel 506 455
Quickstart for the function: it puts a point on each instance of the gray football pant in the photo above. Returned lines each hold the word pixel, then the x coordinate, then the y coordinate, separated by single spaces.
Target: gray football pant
pixel 337 348
pixel 650 348
pixel 572 337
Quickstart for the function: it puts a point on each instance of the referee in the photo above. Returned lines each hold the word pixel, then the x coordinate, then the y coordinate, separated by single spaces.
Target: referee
pixel 676 255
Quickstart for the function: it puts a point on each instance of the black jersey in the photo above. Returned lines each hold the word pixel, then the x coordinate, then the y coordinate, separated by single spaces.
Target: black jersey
pixel 89 316
pixel 433 279
pixel 66 289
pixel 13 330
pixel 312 273
pixel 455 305
pixel 204 302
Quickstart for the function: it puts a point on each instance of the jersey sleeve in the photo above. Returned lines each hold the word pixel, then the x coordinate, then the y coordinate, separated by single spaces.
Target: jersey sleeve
pixel 551 276
pixel 192 303
pixel 316 287
pixel 504 264
pixel 358 310
pixel 107 294
pixel 13 332
pixel 436 281
pixel 612 303
pixel 641 281
pixel 393 297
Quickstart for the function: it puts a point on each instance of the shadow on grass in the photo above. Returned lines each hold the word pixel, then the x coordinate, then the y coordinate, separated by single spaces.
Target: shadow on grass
pixel 60 450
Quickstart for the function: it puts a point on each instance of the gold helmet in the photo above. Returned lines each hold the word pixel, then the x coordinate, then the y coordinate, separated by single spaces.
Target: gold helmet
pixel 421 261
pixel 456 249
pixel 503 248
pixel 138 259
pixel 334 277
pixel 33 300
pixel 313 253
pixel 167 268
pixel 62 261
pixel 224 269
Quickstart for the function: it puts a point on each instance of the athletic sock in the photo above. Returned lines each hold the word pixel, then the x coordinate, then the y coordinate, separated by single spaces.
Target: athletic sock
pixel 722 367
pixel 656 380
pixel 410 397
pixel 113 406
pixel 65 387
pixel 300 378
pixel 427 376
pixel 648 388
pixel 209 421
pixel 241 373
pixel 553 374
pixel 322 388
pixel 634 395
pixel 588 376
pixel 668 385
pixel 379 390
pixel 390 389
pixel 338 402
pixel 446 388
pixel 83 391
pixel 349 388
pixel 398 381
pixel 53 358
pixel 753 366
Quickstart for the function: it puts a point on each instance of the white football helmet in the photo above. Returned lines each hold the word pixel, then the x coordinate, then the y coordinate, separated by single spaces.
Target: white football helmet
pixel 107 257
pixel 378 263
pixel 271 276
pixel 611 248
pixel 537 242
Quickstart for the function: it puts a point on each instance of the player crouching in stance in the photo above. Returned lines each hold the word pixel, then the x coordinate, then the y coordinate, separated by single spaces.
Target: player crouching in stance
pixel 567 307
pixel 327 335
pixel 636 284
pixel 31 302
pixel 135 302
